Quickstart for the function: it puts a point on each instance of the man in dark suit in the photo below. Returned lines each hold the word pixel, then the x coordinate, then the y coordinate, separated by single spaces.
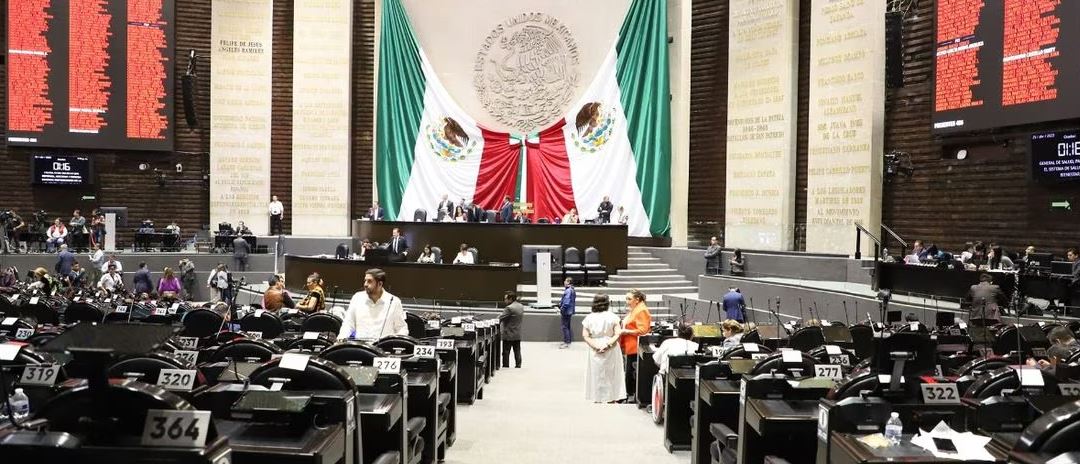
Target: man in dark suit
pixel 64 260
pixel 734 305
pixel 375 213
pixel 985 300
pixel 510 329
pixel 605 211
pixel 240 253
pixel 445 207
pixel 397 245
pixel 712 257
pixel 506 211
pixel 142 281
pixel 476 213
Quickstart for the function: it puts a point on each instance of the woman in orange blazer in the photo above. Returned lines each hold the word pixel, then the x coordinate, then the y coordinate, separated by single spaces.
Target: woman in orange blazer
pixel 636 323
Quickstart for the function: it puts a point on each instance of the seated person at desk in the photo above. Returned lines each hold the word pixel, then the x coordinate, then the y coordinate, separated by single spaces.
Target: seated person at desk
pixel 623 217
pixel 365 245
pixel 373 313
pixel 985 297
pixel 242 229
pixel 918 253
pixel 44 282
pixel 375 213
pixel 110 281
pixel 147 227
pixel 459 216
pixel 315 300
pixel 1062 345
pixel 172 228
pixel 999 260
pixel 463 256
pixel 732 331
pixel 681 345
pixel 571 217
pixel 968 253
pixel 56 234
pixel 276 297
pixel 426 256
pixel 169 285
pixel 398 246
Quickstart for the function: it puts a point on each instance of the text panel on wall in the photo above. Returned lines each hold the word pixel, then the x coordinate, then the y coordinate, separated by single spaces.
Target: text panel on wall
pixel 846 123
pixel 761 123
pixel 320 144
pixel 241 33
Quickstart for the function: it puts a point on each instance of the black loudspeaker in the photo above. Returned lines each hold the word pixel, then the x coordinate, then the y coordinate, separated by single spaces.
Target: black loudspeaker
pixel 190 87
pixel 894 49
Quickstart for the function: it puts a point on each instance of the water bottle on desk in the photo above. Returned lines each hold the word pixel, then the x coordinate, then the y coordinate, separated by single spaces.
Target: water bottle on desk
pixel 894 428
pixel 20 406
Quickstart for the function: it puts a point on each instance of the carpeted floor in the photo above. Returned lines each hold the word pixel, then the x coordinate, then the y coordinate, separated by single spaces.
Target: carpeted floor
pixel 538 414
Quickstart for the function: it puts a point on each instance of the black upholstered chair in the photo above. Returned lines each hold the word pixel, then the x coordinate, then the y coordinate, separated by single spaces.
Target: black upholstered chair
pixel 245 348
pixel 572 267
pixel 398 345
pixel 353 351
pixel 202 323
pixel 420 215
pixel 83 312
pixel 321 322
pixel 319 374
pixel 262 321
pixel 595 273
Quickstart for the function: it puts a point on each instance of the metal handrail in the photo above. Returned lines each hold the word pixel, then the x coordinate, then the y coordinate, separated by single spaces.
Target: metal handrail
pixel 859 231
pixel 895 236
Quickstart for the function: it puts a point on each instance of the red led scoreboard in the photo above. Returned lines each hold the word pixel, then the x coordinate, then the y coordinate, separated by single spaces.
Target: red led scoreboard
pixel 90 73
pixel 1005 63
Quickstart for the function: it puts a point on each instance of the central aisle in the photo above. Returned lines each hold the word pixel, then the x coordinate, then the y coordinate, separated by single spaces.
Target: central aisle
pixel 538 414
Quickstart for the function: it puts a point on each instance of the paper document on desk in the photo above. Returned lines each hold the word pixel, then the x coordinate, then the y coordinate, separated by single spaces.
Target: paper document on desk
pixel 969 447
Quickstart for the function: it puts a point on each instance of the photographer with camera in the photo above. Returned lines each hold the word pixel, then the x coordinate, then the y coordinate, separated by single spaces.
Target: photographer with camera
pixel 9 223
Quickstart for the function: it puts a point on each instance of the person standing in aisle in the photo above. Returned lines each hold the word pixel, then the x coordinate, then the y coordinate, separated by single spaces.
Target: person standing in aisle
pixel 601 329
pixel 637 322
pixel 566 311
pixel 510 329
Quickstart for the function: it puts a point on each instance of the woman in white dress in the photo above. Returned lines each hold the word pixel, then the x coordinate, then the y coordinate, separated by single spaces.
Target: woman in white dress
pixel 604 374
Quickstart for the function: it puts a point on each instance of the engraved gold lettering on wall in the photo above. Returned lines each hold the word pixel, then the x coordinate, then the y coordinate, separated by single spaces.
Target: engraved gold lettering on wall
pixel 322 32
pixel 762 83
pixel 846 121
pixel 240 100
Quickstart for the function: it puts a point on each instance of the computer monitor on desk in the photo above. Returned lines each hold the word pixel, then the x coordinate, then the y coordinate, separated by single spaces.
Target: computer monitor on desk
pixel 1040 261
pixel 1061 267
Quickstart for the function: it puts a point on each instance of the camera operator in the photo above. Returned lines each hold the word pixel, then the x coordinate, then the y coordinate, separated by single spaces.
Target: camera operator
pixel 8 224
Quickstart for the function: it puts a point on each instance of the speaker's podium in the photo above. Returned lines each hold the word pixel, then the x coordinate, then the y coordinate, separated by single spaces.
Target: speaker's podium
pixel 544 261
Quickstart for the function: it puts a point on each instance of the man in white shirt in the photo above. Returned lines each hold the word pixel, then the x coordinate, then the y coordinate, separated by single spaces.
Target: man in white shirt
pixel 112 262
pixel 373 313
pixel 110 281
pixel 277 213
pixel 675 347
pixel 97 262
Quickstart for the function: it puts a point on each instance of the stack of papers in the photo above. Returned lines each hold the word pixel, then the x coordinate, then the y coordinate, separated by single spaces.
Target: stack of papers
pixel 969 447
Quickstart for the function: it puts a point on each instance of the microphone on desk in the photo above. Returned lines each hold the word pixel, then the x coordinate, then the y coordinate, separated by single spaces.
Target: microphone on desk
pixel 847 320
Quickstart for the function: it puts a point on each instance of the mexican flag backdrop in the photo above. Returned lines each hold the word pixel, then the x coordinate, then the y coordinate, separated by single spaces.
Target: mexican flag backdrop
pixel 615 141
